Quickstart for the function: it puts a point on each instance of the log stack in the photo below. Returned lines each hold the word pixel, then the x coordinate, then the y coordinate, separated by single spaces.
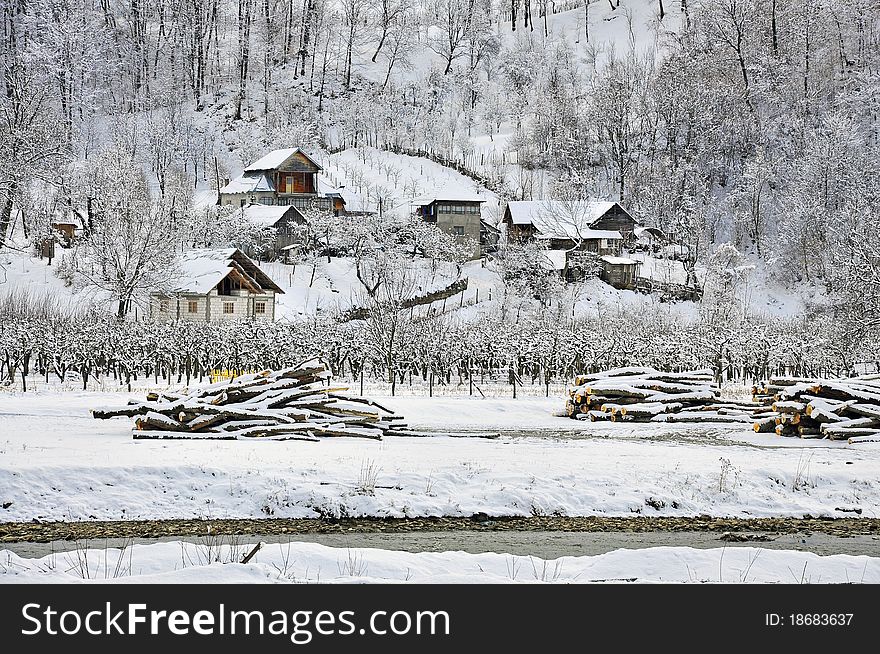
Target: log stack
pixel 837 409
pixel 647 395
pixel 296 403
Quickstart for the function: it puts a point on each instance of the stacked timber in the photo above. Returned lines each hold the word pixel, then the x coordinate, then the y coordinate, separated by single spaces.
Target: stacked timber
pixel 644 394
pixel 296 403
pixel 837 409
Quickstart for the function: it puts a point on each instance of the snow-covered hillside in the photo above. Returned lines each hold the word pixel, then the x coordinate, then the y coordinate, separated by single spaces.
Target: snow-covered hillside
pixel 392 182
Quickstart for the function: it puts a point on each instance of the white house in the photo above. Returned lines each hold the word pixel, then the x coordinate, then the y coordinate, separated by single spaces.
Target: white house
pixel 214 285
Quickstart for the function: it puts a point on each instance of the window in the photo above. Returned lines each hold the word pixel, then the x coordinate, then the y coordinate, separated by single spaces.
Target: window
pixel 193 306
pixel 458 230
pixel 228 307
pixel 288 184
pixel 260 308
pixel 243 202
pixel 163 306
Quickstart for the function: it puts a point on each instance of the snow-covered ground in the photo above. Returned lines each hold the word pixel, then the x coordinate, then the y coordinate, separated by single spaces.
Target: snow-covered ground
pixel 178 562
pixel 335 286
pixel 57 463
pixel 398 179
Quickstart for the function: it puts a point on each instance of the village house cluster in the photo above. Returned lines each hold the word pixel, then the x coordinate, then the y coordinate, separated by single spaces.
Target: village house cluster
pixel 280 190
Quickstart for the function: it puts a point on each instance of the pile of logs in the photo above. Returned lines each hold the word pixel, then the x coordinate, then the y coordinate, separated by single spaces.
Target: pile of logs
pixel 645 394
pixel 837 409
pixel 296 403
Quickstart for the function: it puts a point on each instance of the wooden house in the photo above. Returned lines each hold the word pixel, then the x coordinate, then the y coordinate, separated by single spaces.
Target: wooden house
pixel 457 214
pixel 287 177
pixel 592 226
pixel 214 285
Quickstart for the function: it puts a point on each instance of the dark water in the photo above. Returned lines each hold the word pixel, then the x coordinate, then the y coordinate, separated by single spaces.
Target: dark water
pixel 541 544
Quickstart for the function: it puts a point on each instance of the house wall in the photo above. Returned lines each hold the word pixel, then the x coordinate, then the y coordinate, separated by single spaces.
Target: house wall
pixel 301 182
pixel 243 306
pixel 299 163
pixel 257 197
pixel 210 307
pixel 459 214
pixel 616 220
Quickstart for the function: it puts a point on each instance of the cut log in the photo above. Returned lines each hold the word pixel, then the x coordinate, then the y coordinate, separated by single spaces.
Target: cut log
pixel 764 425
pixel 853 423
pixel 867 438
pixel 789 407
pixel 836 433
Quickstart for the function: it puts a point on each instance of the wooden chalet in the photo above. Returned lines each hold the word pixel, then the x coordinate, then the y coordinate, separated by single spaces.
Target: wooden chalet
pixel 214 285
pixel 287 177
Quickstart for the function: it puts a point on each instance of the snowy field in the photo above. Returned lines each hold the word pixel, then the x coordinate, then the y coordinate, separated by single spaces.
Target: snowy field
pixel 178 562
pixel 57 463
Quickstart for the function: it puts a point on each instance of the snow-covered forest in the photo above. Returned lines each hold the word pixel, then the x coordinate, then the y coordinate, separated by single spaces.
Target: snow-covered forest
pixel 748 130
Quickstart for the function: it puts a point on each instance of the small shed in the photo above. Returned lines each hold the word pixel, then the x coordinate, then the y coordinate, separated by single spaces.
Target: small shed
pixel 68 225
pixel 284 220
pixel 619 272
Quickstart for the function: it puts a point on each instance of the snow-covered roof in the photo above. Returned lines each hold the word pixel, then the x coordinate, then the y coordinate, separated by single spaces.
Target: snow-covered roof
pixel 248 183
pixel 200 270
pixel 456 195
pixel 556 259
pixel 275 158
pixel 558 218
pixel 265 215
pixel 68 217
pixel 648 232
pixel 619 261
pixel 351 200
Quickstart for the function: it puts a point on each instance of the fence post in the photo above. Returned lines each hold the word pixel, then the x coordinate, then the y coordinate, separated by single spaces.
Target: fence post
pixel 431 384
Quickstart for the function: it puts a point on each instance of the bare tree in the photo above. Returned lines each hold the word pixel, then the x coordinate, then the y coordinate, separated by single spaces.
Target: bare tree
pixel 245 18
pixel 27 132
pixel 389 13
pixel 353 12
pixel 460 23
